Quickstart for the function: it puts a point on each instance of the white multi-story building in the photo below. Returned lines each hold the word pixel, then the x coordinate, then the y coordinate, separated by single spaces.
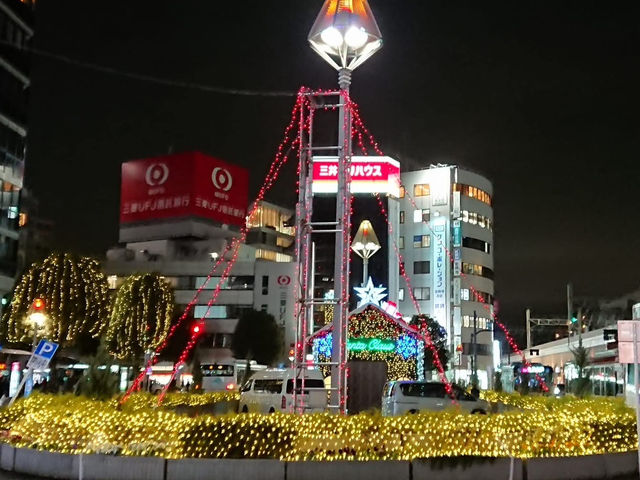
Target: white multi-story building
pixel 261 278
pixel 453 220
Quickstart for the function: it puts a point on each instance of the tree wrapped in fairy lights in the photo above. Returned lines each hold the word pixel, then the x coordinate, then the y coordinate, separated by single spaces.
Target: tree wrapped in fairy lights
pixel 76 296
pixel 141 316
pixel 424 323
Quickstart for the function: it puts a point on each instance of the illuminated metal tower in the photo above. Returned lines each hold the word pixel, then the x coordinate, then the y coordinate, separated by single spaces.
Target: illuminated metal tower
pixel 345 34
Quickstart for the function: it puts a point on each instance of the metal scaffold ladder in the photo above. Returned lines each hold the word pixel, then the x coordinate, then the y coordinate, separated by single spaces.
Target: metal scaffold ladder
pixel 306 230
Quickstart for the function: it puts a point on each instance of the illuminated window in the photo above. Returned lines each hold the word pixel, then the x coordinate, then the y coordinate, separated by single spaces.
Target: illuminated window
pixel 472 192
pixel 464 294
pixel 422 293
pixel 401 295
pixel 421 190
pixel 272 256
pixel 401 242
pixel 478 270
pixel 402 192
pixel 421 241
pixel 422 215
pixel 476 219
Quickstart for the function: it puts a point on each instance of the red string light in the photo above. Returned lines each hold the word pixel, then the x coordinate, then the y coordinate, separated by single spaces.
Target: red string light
pixel 279 160
pixel 362 129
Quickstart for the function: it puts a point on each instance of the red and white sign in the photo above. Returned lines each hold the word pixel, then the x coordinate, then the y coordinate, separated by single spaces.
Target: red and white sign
pixel 284 280
pixel 368 175
pixel 184 185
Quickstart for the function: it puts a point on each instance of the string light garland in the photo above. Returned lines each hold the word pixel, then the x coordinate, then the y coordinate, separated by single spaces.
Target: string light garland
pixel 141 316
pixel 76 296
pixel 362 129
pixel 550 428
pixel 281 157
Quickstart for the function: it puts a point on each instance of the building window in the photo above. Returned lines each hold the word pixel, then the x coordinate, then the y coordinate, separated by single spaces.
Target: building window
pixel 421 267
pixel 464 294
pixel 478 270
pixel 401 216
pixel 421 190
pixel 472 192
pixel 401 269
pixel 421 241
pixel 265 285
pixel 400 242
pixel 476 244
pixel 401 192
pixel 264 307
pixel 476 219
pixel 422 215
pixel 481 323
pixel 422 293
pixel 401 295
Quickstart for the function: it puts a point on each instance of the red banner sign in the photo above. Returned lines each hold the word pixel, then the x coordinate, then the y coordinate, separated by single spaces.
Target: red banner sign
pixel 184 185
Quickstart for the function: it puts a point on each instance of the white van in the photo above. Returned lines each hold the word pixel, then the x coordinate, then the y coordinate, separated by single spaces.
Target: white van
pixel 402 397
pixel 271 390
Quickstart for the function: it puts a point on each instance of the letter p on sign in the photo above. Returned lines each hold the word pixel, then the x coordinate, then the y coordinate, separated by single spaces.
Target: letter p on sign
pixel 46 349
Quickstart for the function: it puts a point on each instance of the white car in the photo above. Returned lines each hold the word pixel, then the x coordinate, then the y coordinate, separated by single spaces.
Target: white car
pixel 400 397
pixel 271 390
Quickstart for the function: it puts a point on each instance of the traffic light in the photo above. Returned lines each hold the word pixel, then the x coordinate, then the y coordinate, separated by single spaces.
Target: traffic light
pixel 38 305
pixel 574 319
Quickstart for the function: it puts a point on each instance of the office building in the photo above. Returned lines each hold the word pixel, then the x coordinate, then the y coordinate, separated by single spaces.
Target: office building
pixel 447 248
pixel 178 213
pixel 15 33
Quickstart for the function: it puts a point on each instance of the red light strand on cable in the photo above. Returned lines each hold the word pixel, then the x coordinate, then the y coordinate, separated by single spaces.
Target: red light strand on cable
pixel 274 171
pixel 512 343
pixel 271 176
pixel 510 340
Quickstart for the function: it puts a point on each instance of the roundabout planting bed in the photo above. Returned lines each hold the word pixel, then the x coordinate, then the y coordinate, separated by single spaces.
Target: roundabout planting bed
pixel 535 427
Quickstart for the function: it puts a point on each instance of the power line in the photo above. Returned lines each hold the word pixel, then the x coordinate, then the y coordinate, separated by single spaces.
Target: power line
pixel 150 78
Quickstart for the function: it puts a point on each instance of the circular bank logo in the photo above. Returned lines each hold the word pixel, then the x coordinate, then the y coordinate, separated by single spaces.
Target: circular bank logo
pixel 284 280
pixel 221 179
pixel 156 174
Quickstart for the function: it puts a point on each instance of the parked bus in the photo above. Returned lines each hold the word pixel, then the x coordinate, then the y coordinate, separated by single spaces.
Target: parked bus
pixel 217 377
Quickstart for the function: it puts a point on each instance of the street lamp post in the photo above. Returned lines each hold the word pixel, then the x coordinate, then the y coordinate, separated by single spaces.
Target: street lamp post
pixel 365 244
pixel 345 34
pixel 37 318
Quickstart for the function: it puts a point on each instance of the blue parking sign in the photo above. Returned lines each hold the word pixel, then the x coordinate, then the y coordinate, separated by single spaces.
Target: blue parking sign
pixel 46 349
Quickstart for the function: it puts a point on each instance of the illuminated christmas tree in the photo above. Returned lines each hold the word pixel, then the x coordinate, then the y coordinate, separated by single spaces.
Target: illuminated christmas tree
pixel 141 317
pixel 76 297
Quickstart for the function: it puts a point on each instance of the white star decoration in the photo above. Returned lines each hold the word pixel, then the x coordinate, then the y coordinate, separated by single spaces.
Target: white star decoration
pixel 370 294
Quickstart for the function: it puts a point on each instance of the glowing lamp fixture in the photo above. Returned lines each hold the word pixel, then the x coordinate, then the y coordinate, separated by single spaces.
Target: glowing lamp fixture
pixel 345 33
pixel 365 242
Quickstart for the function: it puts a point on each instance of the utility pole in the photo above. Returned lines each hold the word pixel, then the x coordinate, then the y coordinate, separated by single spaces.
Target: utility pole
pixel 474 361
pixel 569 310
pixel 528 320
pixel 580 327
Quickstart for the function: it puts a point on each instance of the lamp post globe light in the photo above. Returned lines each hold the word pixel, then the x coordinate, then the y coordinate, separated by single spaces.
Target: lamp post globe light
pixel 365 244
pixel 345 34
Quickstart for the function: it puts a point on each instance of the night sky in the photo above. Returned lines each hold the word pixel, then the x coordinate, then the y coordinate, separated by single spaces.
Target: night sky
pixel 540 96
